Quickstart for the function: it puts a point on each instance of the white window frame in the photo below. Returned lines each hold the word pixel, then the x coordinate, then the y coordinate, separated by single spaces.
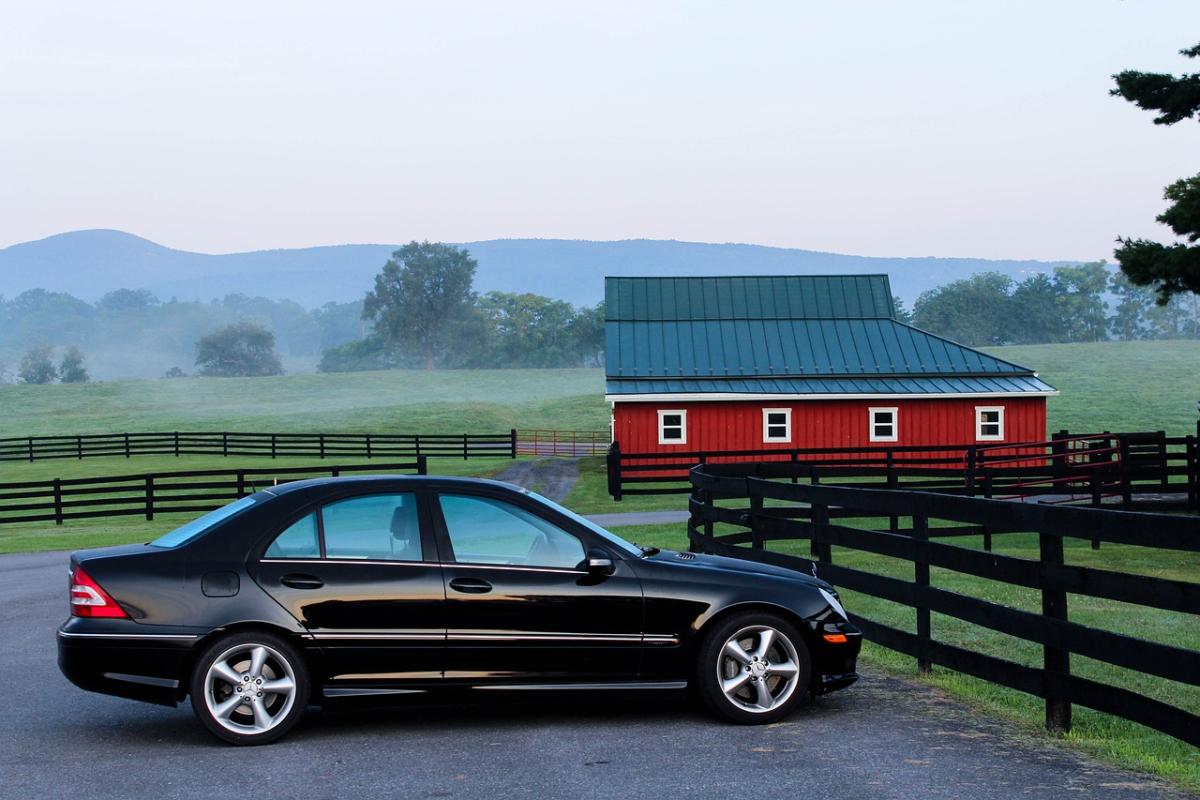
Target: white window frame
pixel 979 423
pixel 895 412
pixel 662 412
pixel 787 426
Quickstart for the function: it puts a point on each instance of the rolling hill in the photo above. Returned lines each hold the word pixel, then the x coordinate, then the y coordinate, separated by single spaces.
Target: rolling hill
pixel 90 263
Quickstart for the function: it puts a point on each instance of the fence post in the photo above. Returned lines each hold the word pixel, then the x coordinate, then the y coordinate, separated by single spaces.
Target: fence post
pixel 1193 467
pixel 58 505
pixel 334 472
pixel 273 438
pixel 1056 662
pixel 1126 479
pixel 241 483
pixel 512 442
pixel 127 445
pixel 321 444
pixel 464 447
pixel 368 441
pixel 224 444
pixel 614 471
pixel 422 465
pixel 149 497
pixel 795 469
pixel 892 483
pixel 820 548
pixel 756 506
pixel 987 493
pixel 920 532
pixel 177 444
pixel 972 458
pixel 79 447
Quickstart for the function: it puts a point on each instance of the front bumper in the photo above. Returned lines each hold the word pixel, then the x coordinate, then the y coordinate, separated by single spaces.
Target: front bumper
pixel 835 661
pixel 135 664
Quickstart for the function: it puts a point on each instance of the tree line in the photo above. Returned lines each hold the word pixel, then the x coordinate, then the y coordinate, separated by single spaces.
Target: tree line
pixel 424 312
pixel 1084 303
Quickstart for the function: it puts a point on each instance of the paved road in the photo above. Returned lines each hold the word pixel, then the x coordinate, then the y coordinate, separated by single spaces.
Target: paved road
pixel 882 739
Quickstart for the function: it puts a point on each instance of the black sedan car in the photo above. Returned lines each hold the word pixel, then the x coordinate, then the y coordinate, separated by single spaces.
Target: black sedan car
pixel 383 586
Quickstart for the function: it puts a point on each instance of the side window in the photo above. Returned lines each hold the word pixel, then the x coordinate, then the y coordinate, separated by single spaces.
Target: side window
pixel 777 424
pixel 486 531
pixel 379 526
pixel 672 427
pixel 989 423
pixel 884 427
pixel 298 540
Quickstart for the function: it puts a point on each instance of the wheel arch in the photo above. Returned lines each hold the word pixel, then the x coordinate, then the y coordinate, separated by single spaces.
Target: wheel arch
pixel 302 644
pixel 707 624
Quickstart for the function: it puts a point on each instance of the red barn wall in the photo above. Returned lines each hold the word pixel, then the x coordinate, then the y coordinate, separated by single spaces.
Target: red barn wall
pixel 737 425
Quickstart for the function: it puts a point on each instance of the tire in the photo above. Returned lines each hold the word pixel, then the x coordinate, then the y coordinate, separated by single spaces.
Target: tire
pixel 771 682
pixel 226 672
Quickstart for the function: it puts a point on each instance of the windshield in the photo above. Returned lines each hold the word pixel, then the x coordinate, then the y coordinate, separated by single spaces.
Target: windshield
pixel 185 533
pixel 612 538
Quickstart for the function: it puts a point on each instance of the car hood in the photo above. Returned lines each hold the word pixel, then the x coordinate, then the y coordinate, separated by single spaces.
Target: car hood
pixel 735 566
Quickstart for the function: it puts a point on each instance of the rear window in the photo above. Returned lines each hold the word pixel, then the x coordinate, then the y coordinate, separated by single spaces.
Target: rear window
pixel 185 533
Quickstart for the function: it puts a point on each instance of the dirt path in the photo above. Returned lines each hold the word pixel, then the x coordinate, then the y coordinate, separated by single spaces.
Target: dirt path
pixel 550 477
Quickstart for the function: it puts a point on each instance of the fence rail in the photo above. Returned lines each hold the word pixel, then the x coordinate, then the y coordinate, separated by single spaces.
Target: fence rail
pixel 777 510
pixel 147 494
pixel 272 445
pixel 1119 468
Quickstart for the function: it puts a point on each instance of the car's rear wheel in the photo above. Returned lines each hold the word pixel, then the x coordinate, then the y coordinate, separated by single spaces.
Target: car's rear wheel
pixel 753 668
pixel 249 688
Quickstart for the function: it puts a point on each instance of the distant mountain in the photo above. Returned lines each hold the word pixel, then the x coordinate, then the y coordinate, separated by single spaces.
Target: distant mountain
pixel 90 263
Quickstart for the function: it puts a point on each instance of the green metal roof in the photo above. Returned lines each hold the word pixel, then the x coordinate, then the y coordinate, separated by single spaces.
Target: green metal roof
pixel 749 298
pixel 685 334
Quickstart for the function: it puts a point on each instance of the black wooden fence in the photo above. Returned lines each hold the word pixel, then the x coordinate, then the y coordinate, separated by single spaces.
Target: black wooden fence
pixel 147 494
pixel 273 445
pixel 1115 468
pixel 772 508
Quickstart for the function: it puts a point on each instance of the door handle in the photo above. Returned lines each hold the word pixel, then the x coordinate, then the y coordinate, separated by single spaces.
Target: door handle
pixel 470 586
pixel 298 581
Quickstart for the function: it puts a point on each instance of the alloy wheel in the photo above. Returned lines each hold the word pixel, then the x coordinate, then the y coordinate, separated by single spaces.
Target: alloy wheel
pixel 249 688
pixel 758 669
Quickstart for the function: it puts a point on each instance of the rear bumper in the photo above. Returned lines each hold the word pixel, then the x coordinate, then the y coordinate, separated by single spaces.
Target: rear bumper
pixel 139 666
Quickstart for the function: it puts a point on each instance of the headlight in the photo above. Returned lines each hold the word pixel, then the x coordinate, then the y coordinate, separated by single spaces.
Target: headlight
pixel 834 604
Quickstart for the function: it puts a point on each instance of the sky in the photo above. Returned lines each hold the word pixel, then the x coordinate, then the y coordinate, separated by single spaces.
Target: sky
pixel 876 128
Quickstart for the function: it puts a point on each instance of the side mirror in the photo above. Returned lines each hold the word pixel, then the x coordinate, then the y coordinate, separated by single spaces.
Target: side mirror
pixel 600 562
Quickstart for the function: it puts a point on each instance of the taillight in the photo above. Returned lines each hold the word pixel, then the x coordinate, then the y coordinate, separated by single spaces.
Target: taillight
pixel 88 599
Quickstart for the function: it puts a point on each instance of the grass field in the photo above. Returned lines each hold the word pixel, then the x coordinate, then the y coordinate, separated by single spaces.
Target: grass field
pixel 1112 739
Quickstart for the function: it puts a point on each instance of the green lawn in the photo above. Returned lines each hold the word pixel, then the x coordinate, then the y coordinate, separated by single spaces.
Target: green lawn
pixel 1120 742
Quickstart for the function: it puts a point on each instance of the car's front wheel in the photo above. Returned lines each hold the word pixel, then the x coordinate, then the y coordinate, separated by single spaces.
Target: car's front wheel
pixel 753 668
pixel 249 688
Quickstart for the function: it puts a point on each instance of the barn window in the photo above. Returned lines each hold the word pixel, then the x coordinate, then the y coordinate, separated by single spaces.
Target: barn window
pixel 672 427
pixel 884 427
pixel 989 423
pixel 777 424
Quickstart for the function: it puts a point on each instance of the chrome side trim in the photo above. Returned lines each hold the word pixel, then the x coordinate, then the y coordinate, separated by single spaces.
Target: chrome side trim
pixel 442 564
pixel 179 636
pixel 518 567
pixel 584 687
pixel 398 637
pixel 145 680
pixel 337 691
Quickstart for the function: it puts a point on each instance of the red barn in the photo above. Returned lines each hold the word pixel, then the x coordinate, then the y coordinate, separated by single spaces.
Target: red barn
pixel 760 363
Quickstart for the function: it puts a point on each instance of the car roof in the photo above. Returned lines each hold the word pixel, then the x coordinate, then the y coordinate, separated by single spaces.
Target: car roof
pixel 368 481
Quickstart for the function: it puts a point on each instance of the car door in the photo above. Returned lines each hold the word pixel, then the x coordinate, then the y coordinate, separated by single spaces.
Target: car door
pixel 362 574
pixel 521 605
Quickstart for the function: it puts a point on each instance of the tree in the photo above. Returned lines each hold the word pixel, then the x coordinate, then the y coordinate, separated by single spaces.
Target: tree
pixel 1036 315
pixel 175 372
pixel 1080 296
pixel 36 366
pixel 71 369
pixel 1133 303
pixel 902 313
pixel 420 297
pixel 1170 269
pixel 243 349
pixel 124 301
pixel 974 310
